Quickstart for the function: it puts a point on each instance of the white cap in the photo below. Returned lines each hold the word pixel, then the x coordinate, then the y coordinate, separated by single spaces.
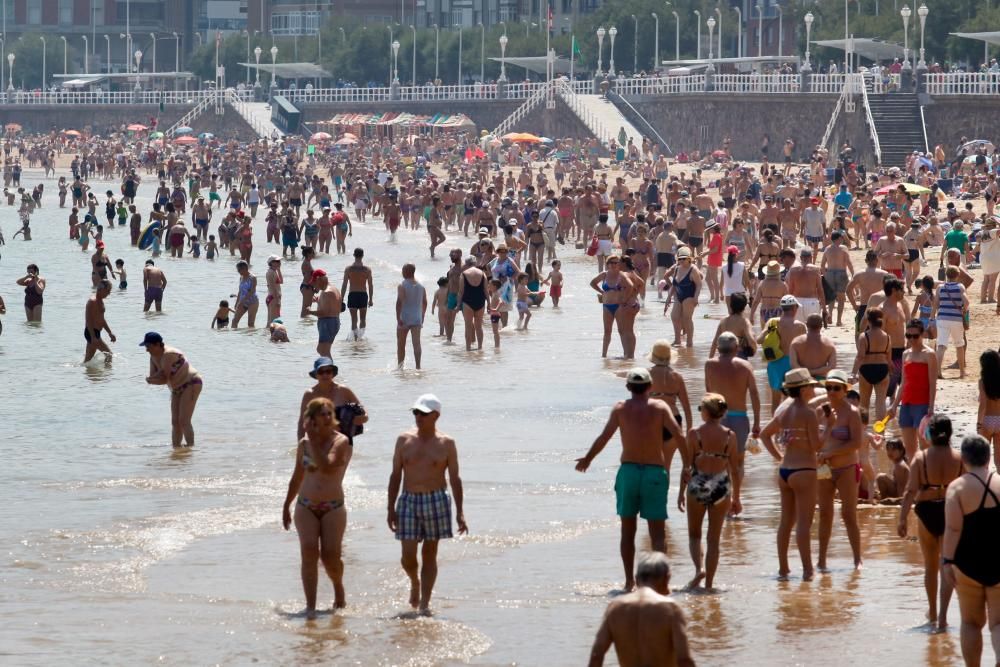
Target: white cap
pixel 427 404
pixel 788 300
pixel 639 375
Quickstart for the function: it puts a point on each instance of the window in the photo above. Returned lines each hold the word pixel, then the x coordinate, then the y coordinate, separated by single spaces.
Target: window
pixel 34 12
pixel 65 12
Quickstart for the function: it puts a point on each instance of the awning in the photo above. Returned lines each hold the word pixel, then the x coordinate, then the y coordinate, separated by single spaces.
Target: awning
pixel 988 37
pixel 536 63
pixel 872 49
pixel 290 70
pixel 82 81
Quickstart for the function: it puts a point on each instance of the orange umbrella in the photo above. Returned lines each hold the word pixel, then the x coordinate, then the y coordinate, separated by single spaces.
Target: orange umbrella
pixel 136 127
pixel 71 133
pixel 522 137
pixel 186 140
pixel 12 127
pixel 320 136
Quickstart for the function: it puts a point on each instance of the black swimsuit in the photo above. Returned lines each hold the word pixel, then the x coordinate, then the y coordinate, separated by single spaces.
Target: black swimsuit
pixel 931 512
pixel 976 555
pixel 874 373
pixel 474 296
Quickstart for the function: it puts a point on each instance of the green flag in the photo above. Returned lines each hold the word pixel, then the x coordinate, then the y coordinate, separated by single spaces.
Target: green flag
pixel 576 47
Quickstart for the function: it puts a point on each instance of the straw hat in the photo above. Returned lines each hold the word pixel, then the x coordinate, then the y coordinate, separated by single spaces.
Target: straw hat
pixel 684 252
pixel 838 376
pixel 661 353
pixel 773 269
pixel 798 377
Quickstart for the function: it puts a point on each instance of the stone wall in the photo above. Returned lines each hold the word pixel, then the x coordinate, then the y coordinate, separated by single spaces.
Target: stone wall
pixel 948 119
pixel 96 118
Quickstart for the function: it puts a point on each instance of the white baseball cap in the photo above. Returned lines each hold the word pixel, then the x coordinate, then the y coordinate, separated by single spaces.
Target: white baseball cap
pixel 427 404
pixel 788 301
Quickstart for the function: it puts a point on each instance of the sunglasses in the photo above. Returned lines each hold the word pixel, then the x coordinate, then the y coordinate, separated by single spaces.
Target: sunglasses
pixel 324 371
pixel 910 336
pixel 833 387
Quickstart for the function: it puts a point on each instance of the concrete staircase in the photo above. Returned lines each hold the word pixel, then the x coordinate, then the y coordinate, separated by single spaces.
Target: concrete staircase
pixel 899 125
pixel 257 114
pixel 602 117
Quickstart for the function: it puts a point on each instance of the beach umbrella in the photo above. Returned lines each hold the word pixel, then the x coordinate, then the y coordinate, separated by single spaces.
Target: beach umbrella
pixel 925 162
pixel 155 135
pixel 320 136
pixel 206 135
pixel 71 133
pixel 136 127
pixel 911 188
pixel 184 129
pixel 545 140
pixel 12 127
pixel 349 134
pixel 185 141
pixel 346 141
pixel 970 146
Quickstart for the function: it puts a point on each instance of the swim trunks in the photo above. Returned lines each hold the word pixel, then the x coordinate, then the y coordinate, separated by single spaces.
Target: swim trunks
pixel 328 328
pixel 642 489
pixel 423 516
pixel 776 372
pixel 357 299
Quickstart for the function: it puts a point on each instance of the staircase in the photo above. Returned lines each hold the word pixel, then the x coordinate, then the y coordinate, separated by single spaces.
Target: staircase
pixel 638 120
pixel 899 125
pixel 256 114
pixel 187 118
pixel 507 124
pixel 600 115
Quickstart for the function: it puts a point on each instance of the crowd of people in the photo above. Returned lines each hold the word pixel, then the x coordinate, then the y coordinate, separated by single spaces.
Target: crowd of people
pixel 769 246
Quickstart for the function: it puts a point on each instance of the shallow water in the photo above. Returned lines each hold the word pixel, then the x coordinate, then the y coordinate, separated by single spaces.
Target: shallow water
pixel 118 550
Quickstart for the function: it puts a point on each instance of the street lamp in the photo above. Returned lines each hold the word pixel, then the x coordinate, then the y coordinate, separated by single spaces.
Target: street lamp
pixel 739 32
pixel 711 30
pixel 781 29
pixel 656 42
pixel 698 54
pixel 482 53
pixel 343 35
pixel 107 42
pixel 677 36
pixel 395 62
pixel 503 55
pixel 635 46
pixel 248 56
pixel 905 12
pixel 128 49
pixel 256 54
pixel 600 50
pixel 437 52
pixel 391 40
pixel 86 62
pixel 65 58
pixel 138 59
pixel 152 36
pixel 612 33
pixel 718 12
pixel 760 29
pixel 274 59
pixel 459 26
pixel 10 82
pixel 413 77
pixel 809 24
pixel 43 61
pixel 177 53
pixel 922 12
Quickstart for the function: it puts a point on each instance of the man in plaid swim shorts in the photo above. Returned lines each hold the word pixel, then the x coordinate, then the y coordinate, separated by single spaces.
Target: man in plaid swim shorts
pixel 422 513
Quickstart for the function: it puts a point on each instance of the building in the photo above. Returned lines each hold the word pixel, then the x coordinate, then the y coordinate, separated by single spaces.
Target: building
pixel 100 26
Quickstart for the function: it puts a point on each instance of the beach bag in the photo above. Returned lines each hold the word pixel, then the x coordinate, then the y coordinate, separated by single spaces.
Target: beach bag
pixel 592 248
pixel 771 347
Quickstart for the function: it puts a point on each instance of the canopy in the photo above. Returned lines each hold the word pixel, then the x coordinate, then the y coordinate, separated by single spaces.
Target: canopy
pixel 872 49
pixel 988 37
pixel 402 119
pixel 536 63
pixel 290 70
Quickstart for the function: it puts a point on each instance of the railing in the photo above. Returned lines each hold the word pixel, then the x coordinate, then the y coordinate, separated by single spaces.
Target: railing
pixel 754 83
pixel 871 121
pixel 614 96
pixel 923 128
pixel 826 83
pixel 190 115
pixel 507 123
pixel 598 128
pixel 963 83
pixel 241 107
pixel 670 85
pixel 833 118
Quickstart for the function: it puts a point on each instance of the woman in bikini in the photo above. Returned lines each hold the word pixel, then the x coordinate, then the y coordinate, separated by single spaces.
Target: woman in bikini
pixel 320 517
pixel 643 248
pixel 940 463
pixel 712 485
pixel 669 387
pixel 625 317
pixel 247 301
pixel 798 427
pixel 871 365
pixel 988 423
pixel 612 289
pixel 843 438
pixel 767 251
pixel 168 366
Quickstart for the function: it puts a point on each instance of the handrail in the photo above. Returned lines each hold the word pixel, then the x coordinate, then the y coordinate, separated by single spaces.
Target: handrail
pixel 923 126
pixel 570 98
pixel 240 106
pixel 871 125
pixel 618 98
pixel 190 115
pixel 520 112
pixel 833 117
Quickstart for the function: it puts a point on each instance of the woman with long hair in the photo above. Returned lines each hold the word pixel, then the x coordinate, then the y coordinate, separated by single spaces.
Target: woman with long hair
pixel 712 485
pixel 871 364
pixel 988 423
pixel 734 276
pixel 942 464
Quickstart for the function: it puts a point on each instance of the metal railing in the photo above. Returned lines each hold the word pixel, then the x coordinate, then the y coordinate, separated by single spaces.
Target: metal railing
pixel 754 83
pixel 923 128
pixel 963 83
pixel 243 109
pixel 615 97
pixel 832 123
pixel 582 111
pixel 858 81
pixel 190 115
pixel 670 85
pixel 507 123
pixel 826 83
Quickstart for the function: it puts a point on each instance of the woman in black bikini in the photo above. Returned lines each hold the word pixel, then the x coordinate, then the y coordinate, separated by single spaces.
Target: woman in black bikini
pixel 871 365
pixel 798 427
pixel 942 464
pixel 472 296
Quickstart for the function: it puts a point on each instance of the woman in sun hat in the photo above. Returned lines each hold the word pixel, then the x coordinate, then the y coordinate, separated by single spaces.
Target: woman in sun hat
pixel 669 387
pixel 685 282
pixel 796 424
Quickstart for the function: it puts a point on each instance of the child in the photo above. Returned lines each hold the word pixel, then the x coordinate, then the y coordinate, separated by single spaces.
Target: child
pixel 493 307
pixel 122 278
pixel 156 243
pixel 279 334
pixel 195 250
pixel 523 296
pixel 440 303
pixel 923 305
pixel 892 485
pixel 99 234
pixel 221 319
pixel 210 247
pixel 122 212
pixel 555 280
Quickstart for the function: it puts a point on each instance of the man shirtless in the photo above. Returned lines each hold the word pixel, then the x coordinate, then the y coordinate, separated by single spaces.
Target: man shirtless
pixel 789 328
pixel 587 208
pixel 733 378
pixel 153 284
pixel 360 293
pixel 423 511
pixel 891 251
pixel 646 627
pixel 454 276
pixel 94 323
pixel 327 311
pixel 812 350
pixel 863 285
pixel 806 285
pixel 643 480
pixel 914 253
pixel 835 265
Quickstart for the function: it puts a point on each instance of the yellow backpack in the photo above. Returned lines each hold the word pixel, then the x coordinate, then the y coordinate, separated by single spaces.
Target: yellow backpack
pixel 771 347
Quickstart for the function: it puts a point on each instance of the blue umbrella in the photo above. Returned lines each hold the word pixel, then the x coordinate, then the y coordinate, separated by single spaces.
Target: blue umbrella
pixel 183 130
pixel 206 135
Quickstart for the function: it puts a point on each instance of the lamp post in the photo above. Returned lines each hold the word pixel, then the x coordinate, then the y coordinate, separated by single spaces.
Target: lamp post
pixel 760 29
pixel 198 35
pixel 10 81
pixel 437 52
pixel 781 29
pixel 86 61
pixel 152 36
pixel 107 64
pixel 922 12
pixel 677 36
pixel 413 74
pixel 343 36
pixel 698 53
pixel 482 53
pixel 2 45
pixel 600 50
pixel 274 59
pixel 739 32
pixel 391 40
pixel 905 12
pixel 656 41
pixel 177 55
pixel 248 57
pixel 503 55
pixel 612 33
pixel 138 60
pixel 65 58
pixel 459 26
pixel 43 62
pixel 847 38
pixel 718 12
pixel 395 62
pixel 809 24
pixel 256 54
pixel 635 45
pixel 711 30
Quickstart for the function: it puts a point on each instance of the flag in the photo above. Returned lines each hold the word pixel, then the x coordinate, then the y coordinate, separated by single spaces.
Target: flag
pixel 576 46
pixel 549 5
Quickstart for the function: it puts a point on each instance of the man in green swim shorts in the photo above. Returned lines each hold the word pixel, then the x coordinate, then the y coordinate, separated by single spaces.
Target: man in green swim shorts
pixel 643 479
